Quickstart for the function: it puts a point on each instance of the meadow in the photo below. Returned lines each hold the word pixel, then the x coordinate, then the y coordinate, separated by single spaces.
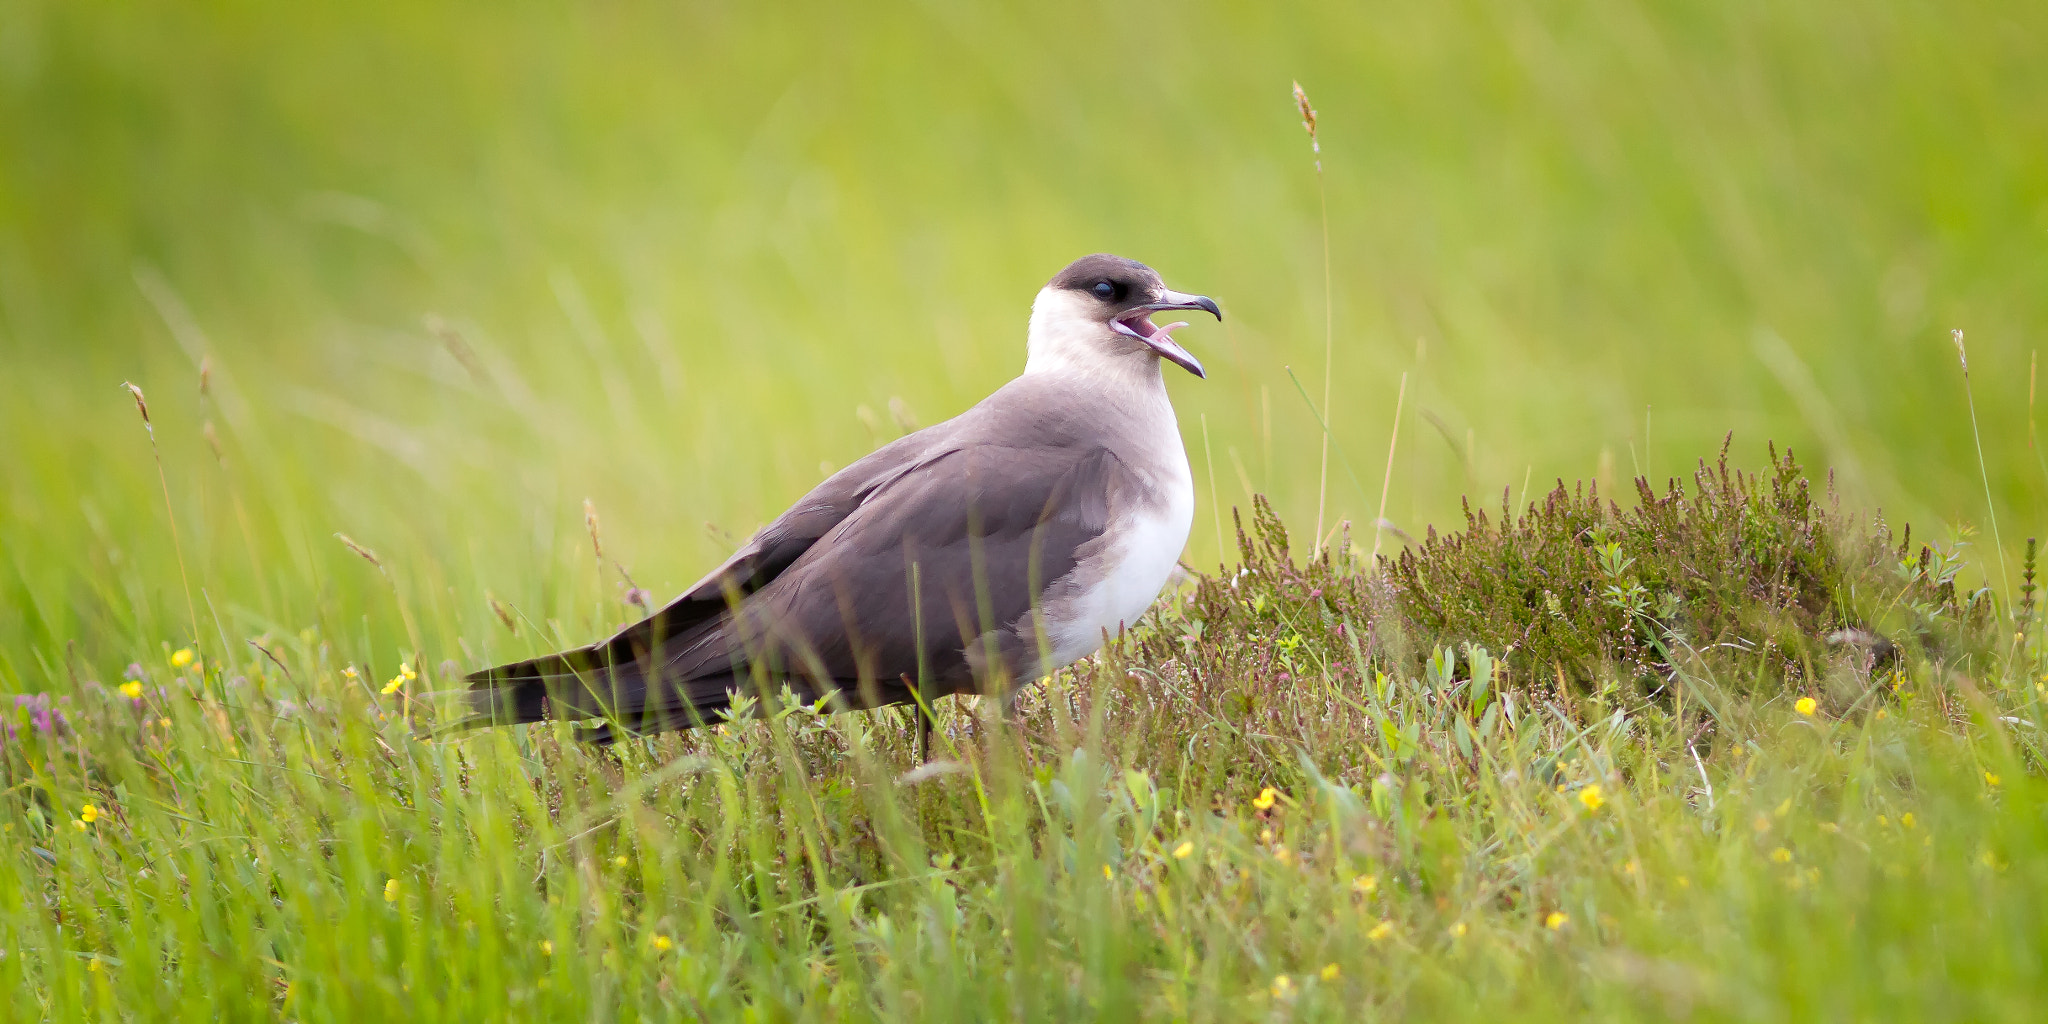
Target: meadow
pixel 458 324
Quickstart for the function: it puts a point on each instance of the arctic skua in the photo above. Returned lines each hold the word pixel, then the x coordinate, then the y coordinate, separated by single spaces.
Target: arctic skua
pixel 975 555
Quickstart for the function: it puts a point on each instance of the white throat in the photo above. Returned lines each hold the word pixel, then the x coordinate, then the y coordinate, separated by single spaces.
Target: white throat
pixel 1066 337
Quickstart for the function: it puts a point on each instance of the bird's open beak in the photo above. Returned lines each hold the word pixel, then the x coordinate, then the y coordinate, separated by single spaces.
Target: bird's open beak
pixel 1138 324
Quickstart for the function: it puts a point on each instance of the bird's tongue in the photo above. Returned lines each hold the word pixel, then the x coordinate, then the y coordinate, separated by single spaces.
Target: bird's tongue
pixel 1160 337
pixel 1163 333
pixel 1158 334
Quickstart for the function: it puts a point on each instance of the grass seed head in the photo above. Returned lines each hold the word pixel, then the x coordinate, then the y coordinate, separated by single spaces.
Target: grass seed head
pixel 590 523
pixel 366 554
pixel 141 406
pixel 1308 117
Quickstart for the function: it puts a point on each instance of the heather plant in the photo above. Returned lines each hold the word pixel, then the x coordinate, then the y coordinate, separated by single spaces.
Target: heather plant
pixel 1744 569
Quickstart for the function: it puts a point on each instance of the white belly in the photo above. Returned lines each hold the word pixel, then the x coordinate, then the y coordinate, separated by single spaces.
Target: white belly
pixel 1132 569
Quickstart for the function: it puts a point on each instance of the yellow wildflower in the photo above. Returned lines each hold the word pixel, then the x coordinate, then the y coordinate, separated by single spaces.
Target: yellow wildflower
pixel 391 891
pixel 1181 852
pixel 1265 800
pixel 1330 972
pixel 132 689
pixel 348 672
pixel 1883 821
pixel 1458 930
pixel 1380 931
pixel 1556 920
pixel 1628 868
pixel 1882 714
pixel 1590 796
pixel 77 824
pixel 1805 706
pixel 1282 854
pixel 663 943
pixel 1366 883
pixel 1906 819
pixel 181 658
pixel 1108 874
pixel 88 814
pixel 1991 780
pixel 547 948
pixel 1781 855
pixel 619 861
pixel 1283 987
pixel 394 685
pixel 1684 882
pixel 92 963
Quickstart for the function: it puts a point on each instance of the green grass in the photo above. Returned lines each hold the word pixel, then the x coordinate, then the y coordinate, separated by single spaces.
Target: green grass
pixel 1280 800
pixel 432 275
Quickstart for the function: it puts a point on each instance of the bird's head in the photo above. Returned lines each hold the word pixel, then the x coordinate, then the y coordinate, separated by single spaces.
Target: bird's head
pixel 1097 313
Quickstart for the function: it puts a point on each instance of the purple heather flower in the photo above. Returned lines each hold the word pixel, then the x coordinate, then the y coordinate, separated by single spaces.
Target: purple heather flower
pixel 46 719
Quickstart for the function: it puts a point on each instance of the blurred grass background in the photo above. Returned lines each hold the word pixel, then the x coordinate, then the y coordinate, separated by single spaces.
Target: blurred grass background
pixel 675 252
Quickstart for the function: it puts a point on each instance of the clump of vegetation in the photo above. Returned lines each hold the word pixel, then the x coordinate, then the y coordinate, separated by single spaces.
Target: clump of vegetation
pixel 1750 568
pixel 1750 577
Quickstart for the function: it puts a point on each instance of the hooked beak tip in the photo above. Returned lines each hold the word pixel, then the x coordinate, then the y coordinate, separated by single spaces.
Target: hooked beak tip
pixel 1170 299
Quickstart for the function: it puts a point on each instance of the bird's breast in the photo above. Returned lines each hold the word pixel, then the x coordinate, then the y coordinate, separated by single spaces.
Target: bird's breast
pixel 1137 556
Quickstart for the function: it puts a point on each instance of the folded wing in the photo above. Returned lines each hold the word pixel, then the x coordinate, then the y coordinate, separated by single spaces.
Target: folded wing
pixel 919 567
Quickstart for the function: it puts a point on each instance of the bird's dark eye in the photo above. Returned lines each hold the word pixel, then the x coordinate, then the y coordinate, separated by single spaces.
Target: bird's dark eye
pixel 1107 291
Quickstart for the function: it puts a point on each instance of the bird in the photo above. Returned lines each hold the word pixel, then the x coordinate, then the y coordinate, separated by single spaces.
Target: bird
pixel 977 555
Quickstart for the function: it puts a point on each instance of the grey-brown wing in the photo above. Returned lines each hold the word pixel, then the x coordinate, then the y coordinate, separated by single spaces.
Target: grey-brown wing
pixel 937 578
pixel 517 692
pixel 933 579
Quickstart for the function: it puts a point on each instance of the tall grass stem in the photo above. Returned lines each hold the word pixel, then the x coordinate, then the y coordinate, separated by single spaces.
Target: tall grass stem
pixel 1215 503
pixel 177 546
pixel 1983 471
pixel 1387 478
pixel 1308 121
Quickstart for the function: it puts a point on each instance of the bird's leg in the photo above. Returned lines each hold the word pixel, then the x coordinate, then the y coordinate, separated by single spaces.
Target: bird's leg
pixel 924 713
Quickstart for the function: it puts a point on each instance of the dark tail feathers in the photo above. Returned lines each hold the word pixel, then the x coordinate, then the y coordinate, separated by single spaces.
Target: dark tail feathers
pixel 585 684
